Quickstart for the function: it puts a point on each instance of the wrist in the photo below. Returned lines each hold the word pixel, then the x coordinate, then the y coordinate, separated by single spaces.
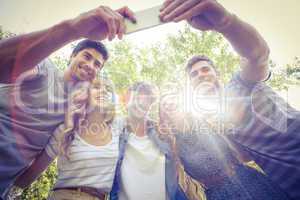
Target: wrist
pixel 69 30
pixel 227 23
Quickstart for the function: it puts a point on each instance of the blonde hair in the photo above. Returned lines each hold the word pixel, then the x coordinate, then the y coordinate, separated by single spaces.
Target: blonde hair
pixel 69 133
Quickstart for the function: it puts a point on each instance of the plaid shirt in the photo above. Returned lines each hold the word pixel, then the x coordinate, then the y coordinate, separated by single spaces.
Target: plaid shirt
pixel 270 131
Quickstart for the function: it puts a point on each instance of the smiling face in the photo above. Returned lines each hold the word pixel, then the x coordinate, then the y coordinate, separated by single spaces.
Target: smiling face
pixel 141 97
pixel 101 93
pixel 139 104
pixel 85 64
pixel 204 78
pixel 101 98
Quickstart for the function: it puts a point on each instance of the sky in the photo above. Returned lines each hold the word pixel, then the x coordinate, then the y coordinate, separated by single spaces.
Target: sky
pixel 276 20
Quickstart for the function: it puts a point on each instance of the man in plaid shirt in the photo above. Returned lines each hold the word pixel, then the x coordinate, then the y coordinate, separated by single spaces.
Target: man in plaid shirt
pixel 265 128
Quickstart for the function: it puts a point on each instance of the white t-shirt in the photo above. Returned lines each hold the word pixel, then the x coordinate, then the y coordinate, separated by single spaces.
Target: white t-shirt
pixel 142 171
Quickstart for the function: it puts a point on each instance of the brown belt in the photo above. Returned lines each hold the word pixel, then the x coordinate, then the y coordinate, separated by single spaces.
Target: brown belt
pixel 91 191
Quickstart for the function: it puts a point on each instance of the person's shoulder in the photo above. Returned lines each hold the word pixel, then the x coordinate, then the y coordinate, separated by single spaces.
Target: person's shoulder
pixel 58 131
pixel 42 71
pixel 119 121
pixel 52 74
pixel 46 66
pixel 118 125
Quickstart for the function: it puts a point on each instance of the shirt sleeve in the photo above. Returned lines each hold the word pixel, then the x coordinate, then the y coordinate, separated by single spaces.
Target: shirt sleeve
pixel 44 67
pixel 237 79
pixel 52 148
pixel 260 102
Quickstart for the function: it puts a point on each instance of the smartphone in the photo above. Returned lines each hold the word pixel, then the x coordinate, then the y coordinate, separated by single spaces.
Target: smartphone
pixel 145 19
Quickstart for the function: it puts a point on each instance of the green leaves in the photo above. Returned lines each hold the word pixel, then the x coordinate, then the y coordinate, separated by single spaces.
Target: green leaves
pixel 40 189
pixel 5 34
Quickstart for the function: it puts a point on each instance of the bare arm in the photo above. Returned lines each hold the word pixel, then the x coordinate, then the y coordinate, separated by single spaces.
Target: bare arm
pixel 211 15
pixel 43 160
pixel 251 47
pixel 34 171
pixel 21 53
pixel 46 157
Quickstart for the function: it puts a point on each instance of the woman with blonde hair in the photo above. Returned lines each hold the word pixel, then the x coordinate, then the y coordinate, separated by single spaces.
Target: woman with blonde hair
pixel 87 146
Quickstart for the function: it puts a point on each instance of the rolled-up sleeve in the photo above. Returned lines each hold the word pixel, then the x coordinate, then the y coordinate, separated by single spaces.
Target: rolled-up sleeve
pixel 261 102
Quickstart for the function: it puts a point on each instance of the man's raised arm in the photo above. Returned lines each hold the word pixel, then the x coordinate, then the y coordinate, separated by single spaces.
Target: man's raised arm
pixel 251 47
pixel 23 52
pixel 211 15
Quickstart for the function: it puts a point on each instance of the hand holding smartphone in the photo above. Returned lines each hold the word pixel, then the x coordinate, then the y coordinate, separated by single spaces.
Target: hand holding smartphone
pixel 145 19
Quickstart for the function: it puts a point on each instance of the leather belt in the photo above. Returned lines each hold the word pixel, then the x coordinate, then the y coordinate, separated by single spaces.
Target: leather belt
pixel 91 191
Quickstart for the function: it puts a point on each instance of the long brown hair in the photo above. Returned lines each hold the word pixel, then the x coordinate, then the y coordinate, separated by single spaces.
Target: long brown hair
pixel 69 133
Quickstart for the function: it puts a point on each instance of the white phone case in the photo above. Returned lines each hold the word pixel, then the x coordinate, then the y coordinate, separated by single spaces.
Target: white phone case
pixel 145 19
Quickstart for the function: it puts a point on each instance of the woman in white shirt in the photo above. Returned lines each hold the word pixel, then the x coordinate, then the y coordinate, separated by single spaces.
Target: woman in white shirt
pixel 86 146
